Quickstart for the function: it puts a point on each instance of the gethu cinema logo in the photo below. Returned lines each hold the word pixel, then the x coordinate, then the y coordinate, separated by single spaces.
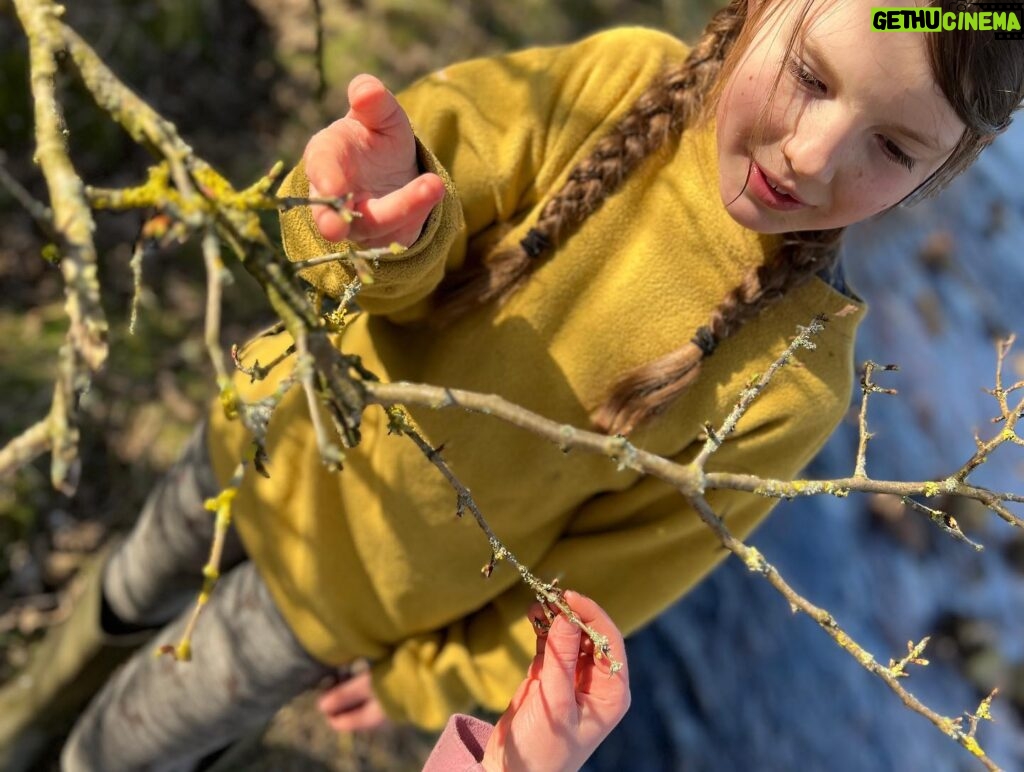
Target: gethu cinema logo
pixel 1002 18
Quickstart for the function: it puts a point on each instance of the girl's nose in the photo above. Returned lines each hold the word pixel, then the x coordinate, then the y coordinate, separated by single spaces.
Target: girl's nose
pixel 815 146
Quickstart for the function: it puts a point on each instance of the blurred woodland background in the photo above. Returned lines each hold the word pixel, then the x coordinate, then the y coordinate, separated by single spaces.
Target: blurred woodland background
pixel 727 680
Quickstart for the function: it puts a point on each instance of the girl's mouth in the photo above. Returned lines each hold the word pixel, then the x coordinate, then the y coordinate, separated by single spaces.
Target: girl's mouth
pixel 768 193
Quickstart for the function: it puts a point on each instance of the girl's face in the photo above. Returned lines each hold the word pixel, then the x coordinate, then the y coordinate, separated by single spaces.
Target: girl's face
pixel 856 124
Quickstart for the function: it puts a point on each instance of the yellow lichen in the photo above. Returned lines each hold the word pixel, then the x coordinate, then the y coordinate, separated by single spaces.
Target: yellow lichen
pixel 228 399
pixel 222 501
pixel 754 560
pixel 183 652
pixel 972 745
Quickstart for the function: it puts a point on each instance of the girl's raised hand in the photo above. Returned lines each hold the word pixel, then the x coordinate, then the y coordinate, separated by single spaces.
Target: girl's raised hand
pixel 569 701
pixel 371 153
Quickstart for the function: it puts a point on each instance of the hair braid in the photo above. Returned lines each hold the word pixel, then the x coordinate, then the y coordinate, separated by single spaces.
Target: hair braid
pixel 648 390
pixel 661 113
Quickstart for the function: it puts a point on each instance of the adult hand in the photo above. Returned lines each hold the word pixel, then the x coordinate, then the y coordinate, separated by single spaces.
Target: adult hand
pixel 370 153
pixel 351 706
pixel 569 701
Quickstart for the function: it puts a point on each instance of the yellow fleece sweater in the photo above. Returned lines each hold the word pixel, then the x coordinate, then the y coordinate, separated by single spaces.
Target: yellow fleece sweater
pixel 372 562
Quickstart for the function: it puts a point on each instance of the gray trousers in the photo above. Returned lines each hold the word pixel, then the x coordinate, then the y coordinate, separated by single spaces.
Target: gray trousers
pixel 158 714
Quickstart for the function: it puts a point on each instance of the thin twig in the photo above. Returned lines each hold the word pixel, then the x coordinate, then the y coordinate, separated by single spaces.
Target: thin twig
pixel 686 478
pixel 548 592
pixel 215 273
pixel 25 448
pixel 41 213
pixel 756 562
pixel 943 520
pixel 868 387
pixel 748 395
pixel 1007 415
pixel 321 65
pixel 338 203
pixel 256 371
pixel 135 264
pixel 353 257
pixel 843 486
pixel 330 453
pixel 220 505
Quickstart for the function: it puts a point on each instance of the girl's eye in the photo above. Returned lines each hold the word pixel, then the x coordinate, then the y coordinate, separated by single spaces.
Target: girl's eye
pixel 804 76
pixel 895 154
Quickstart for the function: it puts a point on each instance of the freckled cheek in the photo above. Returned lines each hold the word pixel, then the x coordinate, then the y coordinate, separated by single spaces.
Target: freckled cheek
pixel 884 198
pixel 871 197
pixel 861 197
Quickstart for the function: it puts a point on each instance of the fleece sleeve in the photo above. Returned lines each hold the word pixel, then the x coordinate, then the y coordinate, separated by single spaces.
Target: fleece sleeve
pixel 497 131
pixel 635 552
pixel 460 748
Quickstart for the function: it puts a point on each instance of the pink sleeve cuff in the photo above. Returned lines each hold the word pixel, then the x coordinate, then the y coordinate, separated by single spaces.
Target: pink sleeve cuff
pixel 460 748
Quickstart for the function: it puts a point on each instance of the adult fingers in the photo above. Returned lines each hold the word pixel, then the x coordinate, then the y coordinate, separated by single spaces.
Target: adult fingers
pixel 593 615
pixel 518 697
pixel 558 672
pixel 540 624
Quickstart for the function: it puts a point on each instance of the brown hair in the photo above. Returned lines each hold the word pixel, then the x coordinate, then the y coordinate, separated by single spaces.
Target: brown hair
pixel 983 82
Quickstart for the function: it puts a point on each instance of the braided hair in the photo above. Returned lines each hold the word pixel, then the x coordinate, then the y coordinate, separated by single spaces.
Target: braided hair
pixel 680 97
pixel 660 114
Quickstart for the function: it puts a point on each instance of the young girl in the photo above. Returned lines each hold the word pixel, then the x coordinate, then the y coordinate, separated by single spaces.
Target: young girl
pixel 616 234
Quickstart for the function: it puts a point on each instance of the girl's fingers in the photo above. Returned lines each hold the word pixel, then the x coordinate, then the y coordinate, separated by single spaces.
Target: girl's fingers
pixel 346 695
pixel 332 225
pixel 359 154
pixel 324 172
pixel 372 104
pixel 368 715
pixel 398 216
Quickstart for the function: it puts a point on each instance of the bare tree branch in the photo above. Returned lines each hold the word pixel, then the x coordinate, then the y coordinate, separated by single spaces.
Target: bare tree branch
pixel 25 448
pixel 868 388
